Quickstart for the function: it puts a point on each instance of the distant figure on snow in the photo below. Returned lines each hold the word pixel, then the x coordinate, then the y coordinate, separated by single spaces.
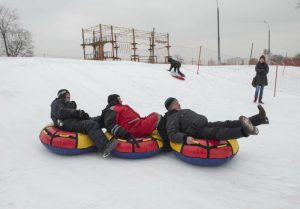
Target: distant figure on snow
pixel 184 125
pixel 176 65
pixel 261 80
pixel 65 116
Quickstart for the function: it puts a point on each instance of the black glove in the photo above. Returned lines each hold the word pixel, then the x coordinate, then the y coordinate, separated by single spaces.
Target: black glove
pixel 134 141
pixel 71 105
pixel 86 116
pixel 82 115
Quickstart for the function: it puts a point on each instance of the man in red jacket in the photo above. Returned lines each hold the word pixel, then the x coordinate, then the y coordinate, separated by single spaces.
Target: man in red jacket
pixel 122 121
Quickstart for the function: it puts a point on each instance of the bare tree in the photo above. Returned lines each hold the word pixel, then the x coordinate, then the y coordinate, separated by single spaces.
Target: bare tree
pixel 20 43
pixel 16 41
pixel 8 20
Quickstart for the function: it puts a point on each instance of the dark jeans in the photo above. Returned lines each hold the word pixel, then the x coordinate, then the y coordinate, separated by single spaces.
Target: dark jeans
pixel 90 127
pixel 259 89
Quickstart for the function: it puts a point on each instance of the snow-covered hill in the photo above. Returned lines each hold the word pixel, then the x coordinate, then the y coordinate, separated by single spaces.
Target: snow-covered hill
pixel 264 174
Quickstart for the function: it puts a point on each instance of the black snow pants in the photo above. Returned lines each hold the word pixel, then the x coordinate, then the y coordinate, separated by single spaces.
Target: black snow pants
pixel 178 71
pixel 221 130
pixel 90 127
pixel 224 130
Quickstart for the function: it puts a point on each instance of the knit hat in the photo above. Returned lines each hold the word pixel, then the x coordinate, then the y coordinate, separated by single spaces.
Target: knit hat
pixel 169 101
pixel 262 57
pixel 62 93
pixel 113 99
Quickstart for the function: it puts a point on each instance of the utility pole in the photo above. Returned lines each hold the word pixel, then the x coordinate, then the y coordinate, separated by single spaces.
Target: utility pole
pixel 218 16
pixel 269 36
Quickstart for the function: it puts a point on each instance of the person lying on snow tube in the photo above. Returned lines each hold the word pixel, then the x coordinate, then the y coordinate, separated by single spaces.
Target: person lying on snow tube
pixel 184 125
pixel 66 117
pixel 123 122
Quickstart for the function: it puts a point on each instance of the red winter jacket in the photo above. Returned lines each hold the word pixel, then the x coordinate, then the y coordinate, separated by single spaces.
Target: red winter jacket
pixel 123 121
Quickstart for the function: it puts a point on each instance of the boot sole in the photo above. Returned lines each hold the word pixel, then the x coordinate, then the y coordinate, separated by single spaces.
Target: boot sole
pixel 248 126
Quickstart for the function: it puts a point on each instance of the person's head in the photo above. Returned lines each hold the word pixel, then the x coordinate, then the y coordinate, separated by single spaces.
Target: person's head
pixel 172 104
pixel 169 59
pixel 262 59
pixel 64 94
pixel 114 99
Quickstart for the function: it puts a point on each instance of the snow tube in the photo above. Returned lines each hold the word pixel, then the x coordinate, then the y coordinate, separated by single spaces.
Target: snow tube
pixel 65 142
pixel 209 152
pixel 149 146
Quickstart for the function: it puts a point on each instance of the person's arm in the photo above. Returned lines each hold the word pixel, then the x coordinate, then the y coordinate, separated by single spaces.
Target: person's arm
pixel 161 128
pixel 62 112
pixel 173 65
pixel 261 71
pixel 109 118
pixel 173 130
pixel 71 105
pixel 267 69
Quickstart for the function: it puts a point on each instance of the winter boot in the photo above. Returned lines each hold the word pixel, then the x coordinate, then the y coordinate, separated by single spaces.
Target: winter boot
pixel 263 115
pixel 248 127
pixel 259 101
pixel 255 99
pixel 110 146
pixel 260 118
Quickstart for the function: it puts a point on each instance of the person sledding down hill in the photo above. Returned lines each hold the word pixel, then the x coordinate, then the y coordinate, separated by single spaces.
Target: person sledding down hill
pixel 184 125
pixel 67 117
pixel 122 121
pixel 176 65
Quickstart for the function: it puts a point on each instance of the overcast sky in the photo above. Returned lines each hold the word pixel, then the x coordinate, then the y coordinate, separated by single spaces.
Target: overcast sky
pixel 56 24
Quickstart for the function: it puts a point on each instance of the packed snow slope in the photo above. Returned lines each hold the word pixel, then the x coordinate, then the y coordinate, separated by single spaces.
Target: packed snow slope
pixel 264 174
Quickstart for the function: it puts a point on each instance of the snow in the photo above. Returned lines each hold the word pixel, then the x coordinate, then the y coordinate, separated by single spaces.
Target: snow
pixel 264 174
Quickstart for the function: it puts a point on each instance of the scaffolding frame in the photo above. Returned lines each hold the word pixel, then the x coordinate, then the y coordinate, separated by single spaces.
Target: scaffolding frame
pixel 98 38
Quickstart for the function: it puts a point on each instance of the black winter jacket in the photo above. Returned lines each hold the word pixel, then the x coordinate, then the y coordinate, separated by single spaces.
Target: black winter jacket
pixel 183 123
pixel 262 69
pixel 174 64
pixel 61 110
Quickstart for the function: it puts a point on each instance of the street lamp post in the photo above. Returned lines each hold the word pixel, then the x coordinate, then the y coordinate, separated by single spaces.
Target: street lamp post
pixel 269 34
pixel 219 56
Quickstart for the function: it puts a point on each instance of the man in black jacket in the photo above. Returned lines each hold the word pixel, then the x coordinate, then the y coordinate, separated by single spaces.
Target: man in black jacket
pixel 65 116
pixel 176 65
pixel 184 125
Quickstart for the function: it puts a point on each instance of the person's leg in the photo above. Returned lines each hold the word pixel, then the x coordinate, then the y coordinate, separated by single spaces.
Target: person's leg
pixel 221 133
pixel 256 93
pixel 145 126
pixel 161 128
pixel 260 118
pixel 225 124
pixel 175 69
pixel 180 73
pixel 89 127
pixel 233 129
pixel 261 94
